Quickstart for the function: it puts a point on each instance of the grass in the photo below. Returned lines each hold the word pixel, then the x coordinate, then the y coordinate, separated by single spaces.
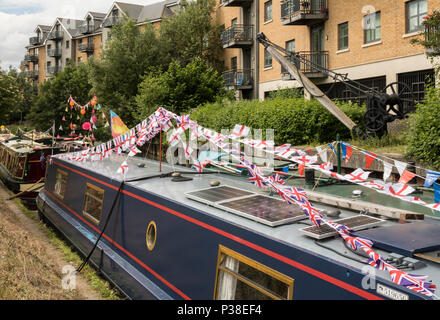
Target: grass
pixel 70 255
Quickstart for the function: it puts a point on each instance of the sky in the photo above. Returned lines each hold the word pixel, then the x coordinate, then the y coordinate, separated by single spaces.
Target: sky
pixel 19 18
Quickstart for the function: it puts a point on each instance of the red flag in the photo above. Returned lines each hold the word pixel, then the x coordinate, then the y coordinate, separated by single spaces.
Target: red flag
pixel 301 169
pixel 406 176
pixel 349 152
pixel 369 158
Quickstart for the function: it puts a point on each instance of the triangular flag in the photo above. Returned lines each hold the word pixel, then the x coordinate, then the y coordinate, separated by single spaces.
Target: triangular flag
pixel 301 169
pixel 387 168
pixel 436 192
pixel 401 166
pixel 322 154
pixel 406 177
pixel 344 150
pixel 369 158
pixel 349 152
pixel 431 177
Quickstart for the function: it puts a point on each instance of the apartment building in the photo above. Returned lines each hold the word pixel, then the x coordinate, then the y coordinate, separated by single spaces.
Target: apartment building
pixel 369 41
pixel 75 41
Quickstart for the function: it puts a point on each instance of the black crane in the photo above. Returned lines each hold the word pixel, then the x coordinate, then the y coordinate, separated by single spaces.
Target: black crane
pixel 395 101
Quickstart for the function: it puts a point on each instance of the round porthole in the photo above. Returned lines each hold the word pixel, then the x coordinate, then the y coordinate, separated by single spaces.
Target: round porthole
pixel 151 235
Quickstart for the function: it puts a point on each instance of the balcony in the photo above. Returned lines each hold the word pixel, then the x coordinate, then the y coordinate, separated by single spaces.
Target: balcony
pixel 236 3
pixel 55 35
pixel 31 58
pixel 238 36
pixel 32 74
pixel 53 69
pixel 34 41
pixel 54 53
pixel 110 21
pixel 309 63
pixel 304 12
pixel 432 39
pixel 86 29
pixel 238 79
pixel 85 47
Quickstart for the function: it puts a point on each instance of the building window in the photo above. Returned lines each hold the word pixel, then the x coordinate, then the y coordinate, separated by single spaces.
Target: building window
pixel 93 199
pixel 267 59
pixel 267 11
pixel 240 278
pixel 416 81
pixel 234 63
pixel 234 22
pixel 79 60
pixel 60 183
pixel 372 27
pixel 290 46
pixel 416 10
pixel 67 44
pixel 343 36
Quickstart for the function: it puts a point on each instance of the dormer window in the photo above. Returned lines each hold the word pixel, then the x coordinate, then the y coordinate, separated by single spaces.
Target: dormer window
pixel 115 12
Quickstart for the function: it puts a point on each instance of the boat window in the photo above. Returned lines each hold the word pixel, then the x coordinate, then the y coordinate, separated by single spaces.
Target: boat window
pixel 60 183
pixel 93 199
pixel 240 278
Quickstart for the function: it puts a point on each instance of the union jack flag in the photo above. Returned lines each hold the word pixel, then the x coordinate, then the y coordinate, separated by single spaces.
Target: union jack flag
pixel 340 228
pixel 276 179
pixel 199 166
pixel 297 194
pixel 357 242
pixel 313 214
pixel 256 176
pixel 413 282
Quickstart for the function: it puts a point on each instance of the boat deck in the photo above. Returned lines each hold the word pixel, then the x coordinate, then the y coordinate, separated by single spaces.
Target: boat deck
pixel 289 233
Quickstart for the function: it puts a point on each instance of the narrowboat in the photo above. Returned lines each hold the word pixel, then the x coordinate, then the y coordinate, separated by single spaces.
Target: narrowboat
pixel 171 233
pixel 23 161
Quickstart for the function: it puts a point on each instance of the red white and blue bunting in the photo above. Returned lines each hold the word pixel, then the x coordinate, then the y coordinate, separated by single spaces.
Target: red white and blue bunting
pixel 161 120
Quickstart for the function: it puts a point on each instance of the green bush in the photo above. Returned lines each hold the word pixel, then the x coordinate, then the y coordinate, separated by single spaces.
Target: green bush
pixel 424 130
pixel 294 120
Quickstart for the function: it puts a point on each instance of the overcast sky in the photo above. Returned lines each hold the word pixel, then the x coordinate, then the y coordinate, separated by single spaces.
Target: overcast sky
pixel 19 18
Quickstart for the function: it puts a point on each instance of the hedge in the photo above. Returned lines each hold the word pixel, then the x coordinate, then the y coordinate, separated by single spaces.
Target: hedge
pixel 294 120
pixel 424 130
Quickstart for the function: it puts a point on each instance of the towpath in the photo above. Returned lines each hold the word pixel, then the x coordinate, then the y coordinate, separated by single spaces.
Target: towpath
pixel 31 266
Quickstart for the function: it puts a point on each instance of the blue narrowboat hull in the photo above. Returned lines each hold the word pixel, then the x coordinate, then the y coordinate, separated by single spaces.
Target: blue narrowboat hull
pixel 183 263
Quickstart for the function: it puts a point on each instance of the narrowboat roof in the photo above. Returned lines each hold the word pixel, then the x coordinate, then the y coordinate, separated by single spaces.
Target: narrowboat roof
pixel 23 145
pixel 289 234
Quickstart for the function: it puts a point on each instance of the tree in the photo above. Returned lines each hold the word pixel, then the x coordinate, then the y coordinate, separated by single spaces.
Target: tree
pixel 431 39
pixel 52 101
pixel 179 89
pixel 15 95
pixel 125 59
pixel 192 33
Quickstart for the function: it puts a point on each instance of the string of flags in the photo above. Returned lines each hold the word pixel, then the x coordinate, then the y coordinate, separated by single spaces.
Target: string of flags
pixel 76 112
pixel 161 121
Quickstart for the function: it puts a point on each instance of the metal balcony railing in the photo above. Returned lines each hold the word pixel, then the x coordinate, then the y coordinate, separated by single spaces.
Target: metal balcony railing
pixel 55 35
pixel 311 63
pixel 304 11
pixel 31 74
pixel 110 21
pixel 31 58
pixel 237 35
pixel 432 37
pixel 238 78
pixel 53 69
pixel 85 47
pixel 85 29
pixel 54 53
pixel 34 41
